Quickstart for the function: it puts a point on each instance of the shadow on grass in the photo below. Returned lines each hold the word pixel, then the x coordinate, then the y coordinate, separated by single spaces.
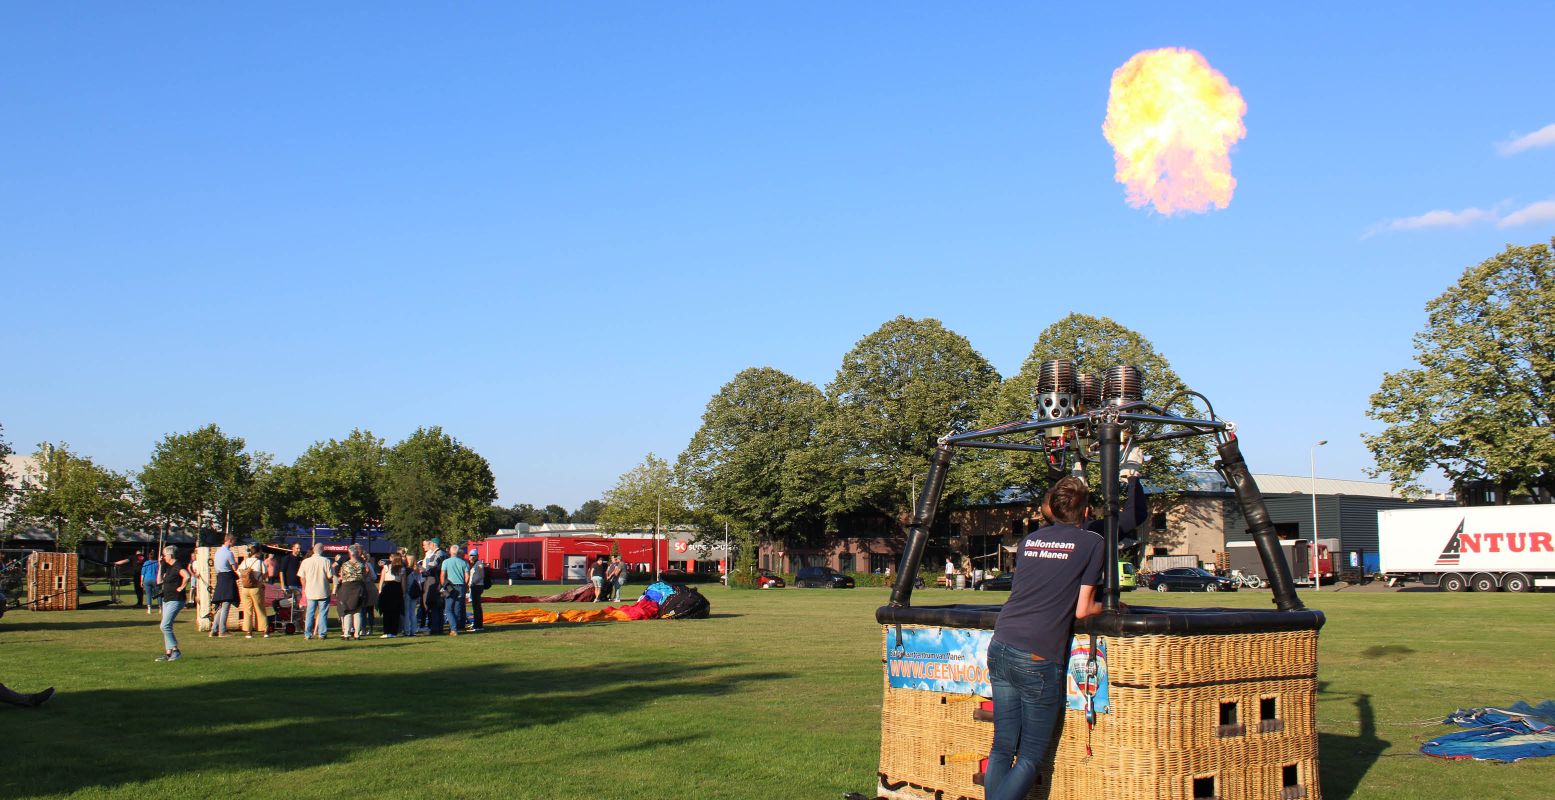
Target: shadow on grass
pixel 100 624
pixel 317 720
pixel 1345 760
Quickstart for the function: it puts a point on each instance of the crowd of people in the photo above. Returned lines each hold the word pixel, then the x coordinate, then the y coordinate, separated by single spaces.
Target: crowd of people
pixel 411 596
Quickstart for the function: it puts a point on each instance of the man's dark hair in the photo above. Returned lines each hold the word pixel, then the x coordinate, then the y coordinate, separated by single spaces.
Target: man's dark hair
pixel 1067 501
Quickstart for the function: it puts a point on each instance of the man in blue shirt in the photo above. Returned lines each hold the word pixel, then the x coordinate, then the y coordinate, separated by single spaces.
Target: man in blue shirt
pixel 1059 567
pixel 148 582
pixel 455 580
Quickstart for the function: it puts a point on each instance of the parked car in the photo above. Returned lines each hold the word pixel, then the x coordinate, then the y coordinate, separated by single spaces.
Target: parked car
pixel 522 571
pixel 1187 579
pixel 1128 580
pixel 821 578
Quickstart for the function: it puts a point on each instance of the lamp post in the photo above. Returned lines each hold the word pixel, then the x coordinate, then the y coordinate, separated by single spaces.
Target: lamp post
pixel 1317 575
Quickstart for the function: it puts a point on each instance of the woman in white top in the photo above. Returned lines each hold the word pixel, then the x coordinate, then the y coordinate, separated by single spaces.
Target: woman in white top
pixel 251 594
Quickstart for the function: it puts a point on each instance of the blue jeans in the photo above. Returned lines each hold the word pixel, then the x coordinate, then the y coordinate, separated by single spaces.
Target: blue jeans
pixel 1028 697
pixel 321 609
pixel 170 609
pixel 453 607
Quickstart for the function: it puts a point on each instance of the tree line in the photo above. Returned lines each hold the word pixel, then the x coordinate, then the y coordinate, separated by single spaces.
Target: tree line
pixel 776 457
pixel 427 484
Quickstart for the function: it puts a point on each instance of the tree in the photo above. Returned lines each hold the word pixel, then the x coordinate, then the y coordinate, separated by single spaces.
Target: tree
pixel 204 475
pixel 528 514
pixel 588 513
pixel 336 483
pixel 646 496
pixel 1094 344
pixel 5 474
pixel 75 496
pixel 434 485
pixel 497 518
pixel 741 466
pixel 898 390
pixel 1480 402
pixel 555 514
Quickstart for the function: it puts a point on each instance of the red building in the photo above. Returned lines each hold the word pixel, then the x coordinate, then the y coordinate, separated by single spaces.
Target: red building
pixel 568 558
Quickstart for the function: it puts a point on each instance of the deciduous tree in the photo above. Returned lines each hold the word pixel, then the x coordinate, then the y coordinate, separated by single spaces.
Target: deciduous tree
pixel 435 485
pixel 646 496
pixel 588 513
pixel 742 466
pixel 75 497
pixel 336 483
pixel 1480 401
pixel 204 476
pixel 898 390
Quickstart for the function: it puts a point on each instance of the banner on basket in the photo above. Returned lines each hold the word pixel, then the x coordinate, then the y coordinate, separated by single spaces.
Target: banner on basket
pixel 947 660
pixel 1087 675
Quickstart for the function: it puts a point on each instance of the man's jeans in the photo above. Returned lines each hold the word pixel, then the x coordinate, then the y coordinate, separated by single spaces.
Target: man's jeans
pixel 170 609
pixel 320 608
pixel 1028 697
pixel 453 607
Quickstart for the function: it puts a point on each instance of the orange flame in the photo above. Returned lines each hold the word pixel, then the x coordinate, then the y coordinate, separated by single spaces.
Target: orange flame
pixel 1172 119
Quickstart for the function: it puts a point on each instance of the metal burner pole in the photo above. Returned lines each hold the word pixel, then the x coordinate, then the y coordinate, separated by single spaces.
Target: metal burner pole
pixel 918 526
pixel 1110 435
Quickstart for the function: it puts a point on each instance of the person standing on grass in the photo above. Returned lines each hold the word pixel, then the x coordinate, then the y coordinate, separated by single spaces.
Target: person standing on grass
pixel 140 591
pixel 315 575
pixel 286 571
pixel 351 588
pixel 391 596
pixel 148 581
pixel 479 582
pixel 1055 584
pixel 597 577
pixel 456 580
pixel 175 579
pixel 612 571
pixel 225 595
pixel 412 582
pixel 251 595
pixel 432 572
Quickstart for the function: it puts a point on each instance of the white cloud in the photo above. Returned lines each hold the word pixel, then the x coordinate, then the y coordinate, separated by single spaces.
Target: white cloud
pixel 1441 219
pixel 1543 137
pixel 1542 211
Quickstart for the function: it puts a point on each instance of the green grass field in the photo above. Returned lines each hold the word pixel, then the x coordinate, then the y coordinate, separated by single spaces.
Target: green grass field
pixel 776 696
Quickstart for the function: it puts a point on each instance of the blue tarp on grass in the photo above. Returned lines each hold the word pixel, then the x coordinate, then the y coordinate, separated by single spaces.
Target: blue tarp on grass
pixel 1507 734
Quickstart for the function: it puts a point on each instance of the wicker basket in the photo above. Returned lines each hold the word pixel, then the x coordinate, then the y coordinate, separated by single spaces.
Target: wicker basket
pixel 51 582
pixel 1164 738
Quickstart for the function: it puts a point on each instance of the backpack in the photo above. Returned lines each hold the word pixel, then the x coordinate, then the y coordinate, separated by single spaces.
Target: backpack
pixel 685 603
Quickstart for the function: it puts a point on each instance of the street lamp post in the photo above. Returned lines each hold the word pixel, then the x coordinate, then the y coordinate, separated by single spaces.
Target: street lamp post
pixel 1317 574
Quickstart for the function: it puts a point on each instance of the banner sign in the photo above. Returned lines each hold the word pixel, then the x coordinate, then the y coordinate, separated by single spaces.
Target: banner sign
pixel 1086 678
pixel 947 660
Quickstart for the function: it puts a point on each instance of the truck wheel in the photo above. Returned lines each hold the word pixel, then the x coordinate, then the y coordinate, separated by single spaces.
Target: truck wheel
pixel 1453 582
pixel 1516 582
pixel 1485 583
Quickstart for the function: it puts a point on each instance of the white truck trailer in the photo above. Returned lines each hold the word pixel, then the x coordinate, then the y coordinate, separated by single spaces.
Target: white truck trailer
pixel 1484 548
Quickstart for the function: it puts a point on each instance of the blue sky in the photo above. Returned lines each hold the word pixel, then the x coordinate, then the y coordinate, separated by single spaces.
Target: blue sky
pixel 556 230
